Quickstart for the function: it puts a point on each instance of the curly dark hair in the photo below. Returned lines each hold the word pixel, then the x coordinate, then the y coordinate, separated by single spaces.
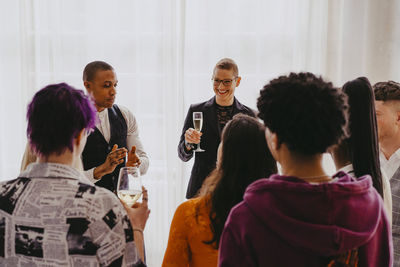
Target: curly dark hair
pixel 386 91
pixel 307 113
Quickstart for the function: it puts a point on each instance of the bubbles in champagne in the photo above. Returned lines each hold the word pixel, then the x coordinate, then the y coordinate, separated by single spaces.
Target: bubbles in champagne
pixel 198 124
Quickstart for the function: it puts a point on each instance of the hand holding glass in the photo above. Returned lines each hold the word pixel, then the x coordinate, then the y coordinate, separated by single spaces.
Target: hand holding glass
pixel 129 188
pixel 198 124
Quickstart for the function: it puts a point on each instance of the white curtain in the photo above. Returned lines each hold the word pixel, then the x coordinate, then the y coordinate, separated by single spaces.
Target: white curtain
pixel 164 52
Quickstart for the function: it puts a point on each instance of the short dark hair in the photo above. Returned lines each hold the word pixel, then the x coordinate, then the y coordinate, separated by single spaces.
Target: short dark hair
pixel 362 143
pixel 56 115
pixel 307 113
pixel 387 91
pixel 93 67
pixel 227 64
pixel 245 159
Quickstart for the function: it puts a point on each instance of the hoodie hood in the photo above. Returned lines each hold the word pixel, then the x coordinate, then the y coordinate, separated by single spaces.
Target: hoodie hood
pixel 325 219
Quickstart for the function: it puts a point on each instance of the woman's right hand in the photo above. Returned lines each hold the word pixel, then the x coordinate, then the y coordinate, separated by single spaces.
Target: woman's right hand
pixel 192 136
pixel 139 212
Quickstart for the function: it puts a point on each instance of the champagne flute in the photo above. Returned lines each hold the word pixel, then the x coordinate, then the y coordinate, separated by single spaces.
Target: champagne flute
pixel 129 188
pixel 198 124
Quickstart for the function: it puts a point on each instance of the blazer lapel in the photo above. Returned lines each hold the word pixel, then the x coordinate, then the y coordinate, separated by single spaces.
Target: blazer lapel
pixel 237 107
pixel 211 113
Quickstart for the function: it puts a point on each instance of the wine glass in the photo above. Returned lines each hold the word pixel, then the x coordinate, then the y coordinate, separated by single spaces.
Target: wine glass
pixel 129 188
pixel 198 124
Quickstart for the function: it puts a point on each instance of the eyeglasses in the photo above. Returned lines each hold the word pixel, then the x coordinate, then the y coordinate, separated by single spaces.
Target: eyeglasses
pixel 226 82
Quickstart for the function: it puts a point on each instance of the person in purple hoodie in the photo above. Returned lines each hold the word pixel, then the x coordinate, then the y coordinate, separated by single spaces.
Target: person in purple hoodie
pixel 306 217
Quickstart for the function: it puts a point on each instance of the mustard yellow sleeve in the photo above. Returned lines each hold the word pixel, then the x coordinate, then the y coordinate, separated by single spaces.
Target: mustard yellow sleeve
pixel 178 249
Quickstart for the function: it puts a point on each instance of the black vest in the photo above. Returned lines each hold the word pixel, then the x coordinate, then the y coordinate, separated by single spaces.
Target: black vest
pixel 97 148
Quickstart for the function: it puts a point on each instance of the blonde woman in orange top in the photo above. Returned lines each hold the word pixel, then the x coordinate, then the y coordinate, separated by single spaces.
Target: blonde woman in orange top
pixel 196 228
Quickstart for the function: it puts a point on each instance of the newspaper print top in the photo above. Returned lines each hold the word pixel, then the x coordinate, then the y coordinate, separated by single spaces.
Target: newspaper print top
pixel 53 216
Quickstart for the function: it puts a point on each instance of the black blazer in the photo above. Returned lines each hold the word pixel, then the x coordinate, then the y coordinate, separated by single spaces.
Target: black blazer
pixel 204 162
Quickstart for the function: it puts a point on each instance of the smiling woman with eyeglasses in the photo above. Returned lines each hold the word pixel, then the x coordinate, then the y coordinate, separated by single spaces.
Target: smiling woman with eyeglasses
pixel 216 113
pixel 226 82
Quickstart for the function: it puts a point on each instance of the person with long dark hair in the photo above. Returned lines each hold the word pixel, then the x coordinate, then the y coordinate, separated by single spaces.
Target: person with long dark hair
pixel 305 217
pixel 196 228
pixel 358 154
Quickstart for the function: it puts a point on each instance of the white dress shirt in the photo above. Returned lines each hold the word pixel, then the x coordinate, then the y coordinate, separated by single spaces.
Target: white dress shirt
pixel 348 169
pixel 390 165
pixel 387 195
pixel 132 138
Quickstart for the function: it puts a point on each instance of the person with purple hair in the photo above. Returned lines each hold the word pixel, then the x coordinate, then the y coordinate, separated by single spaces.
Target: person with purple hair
pixel 56 215
pixel 116 131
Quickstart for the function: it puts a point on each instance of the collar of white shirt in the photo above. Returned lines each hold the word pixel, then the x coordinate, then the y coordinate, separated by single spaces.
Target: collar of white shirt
pixel 103 124
pixel 347 169
pixel 390 165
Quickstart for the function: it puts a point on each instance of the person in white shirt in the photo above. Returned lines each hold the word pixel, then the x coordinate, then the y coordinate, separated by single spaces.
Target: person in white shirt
pixel 387 105
pixel 102 159
pixel 116 131
pixel 358 154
